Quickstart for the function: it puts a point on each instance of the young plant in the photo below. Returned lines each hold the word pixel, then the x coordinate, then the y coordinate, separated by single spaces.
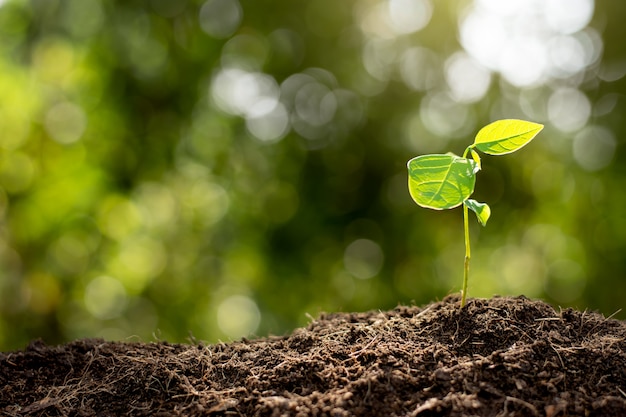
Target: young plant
pixel 445 181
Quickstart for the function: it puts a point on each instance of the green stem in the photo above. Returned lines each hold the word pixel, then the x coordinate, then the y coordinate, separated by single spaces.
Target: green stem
pixel 467 256
pixel 467 245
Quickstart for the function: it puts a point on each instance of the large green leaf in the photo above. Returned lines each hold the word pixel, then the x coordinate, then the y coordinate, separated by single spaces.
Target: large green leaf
pixel 506 136
pixel 441 181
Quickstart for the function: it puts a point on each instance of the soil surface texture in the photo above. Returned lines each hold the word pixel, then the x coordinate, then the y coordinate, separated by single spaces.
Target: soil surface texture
pixel 494 357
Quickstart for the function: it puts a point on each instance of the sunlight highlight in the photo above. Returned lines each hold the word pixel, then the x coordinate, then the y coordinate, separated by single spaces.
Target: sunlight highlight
pixel 529 42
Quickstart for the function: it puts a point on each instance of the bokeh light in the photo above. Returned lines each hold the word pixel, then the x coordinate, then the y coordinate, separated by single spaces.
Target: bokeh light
pixel 530 42
pixel 105 297
pixel 594 147
pixel 220 18
pixel 238 316
pixel 65 122
pixel 363 258
pixel 468 81
pixel 568 109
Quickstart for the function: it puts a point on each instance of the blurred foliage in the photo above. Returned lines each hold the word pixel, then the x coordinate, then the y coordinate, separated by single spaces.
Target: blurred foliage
pixel 221 168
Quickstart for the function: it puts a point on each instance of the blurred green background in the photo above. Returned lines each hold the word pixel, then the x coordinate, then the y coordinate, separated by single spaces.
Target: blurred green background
pixel 221 168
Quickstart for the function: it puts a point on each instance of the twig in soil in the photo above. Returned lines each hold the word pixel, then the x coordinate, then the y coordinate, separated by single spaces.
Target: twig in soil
pixel 358 352
pixel 558 354
pixel 369 391
pixel 40 405
pixel 528 405
pixel 424 311
pixel 613 315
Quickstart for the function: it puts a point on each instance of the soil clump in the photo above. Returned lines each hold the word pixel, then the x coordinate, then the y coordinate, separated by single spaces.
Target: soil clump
pixel 493 357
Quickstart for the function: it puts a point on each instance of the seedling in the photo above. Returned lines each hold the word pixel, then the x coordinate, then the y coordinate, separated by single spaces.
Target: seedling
pixel 445 181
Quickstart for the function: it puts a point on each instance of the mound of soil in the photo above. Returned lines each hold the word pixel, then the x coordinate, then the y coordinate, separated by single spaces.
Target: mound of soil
pixel 496 357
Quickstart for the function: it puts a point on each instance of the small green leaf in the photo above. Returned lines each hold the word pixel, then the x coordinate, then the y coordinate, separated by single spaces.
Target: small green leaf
pixel 482 210
pixel 476 158
pixel 441 181
pixel 506 136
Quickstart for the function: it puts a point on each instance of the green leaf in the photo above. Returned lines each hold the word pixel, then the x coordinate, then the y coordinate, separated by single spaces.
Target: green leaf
pixel 482 210
pixel 476 157
pixel 441 181
pixel 506 136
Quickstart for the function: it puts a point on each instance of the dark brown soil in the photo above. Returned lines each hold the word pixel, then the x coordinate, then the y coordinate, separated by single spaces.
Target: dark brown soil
pixel 497 357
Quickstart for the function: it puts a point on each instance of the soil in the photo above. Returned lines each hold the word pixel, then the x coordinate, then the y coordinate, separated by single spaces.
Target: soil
pixel 494 357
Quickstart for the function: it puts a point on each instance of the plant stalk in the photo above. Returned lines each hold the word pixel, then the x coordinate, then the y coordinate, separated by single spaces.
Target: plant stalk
pixel 467 245
pixel 467 255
